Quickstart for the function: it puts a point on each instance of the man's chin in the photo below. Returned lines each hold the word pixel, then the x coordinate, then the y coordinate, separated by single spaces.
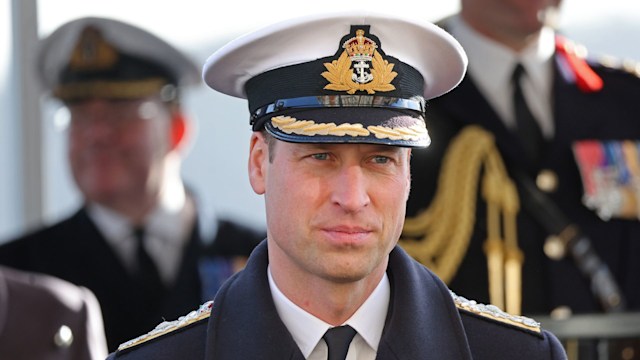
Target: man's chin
pixel 344 273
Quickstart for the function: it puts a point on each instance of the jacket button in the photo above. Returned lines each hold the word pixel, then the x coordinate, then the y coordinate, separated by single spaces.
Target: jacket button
pixel 547 181
pixel 64 337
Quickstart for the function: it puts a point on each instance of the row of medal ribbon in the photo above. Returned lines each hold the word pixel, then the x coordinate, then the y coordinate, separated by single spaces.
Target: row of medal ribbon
pixel 610 172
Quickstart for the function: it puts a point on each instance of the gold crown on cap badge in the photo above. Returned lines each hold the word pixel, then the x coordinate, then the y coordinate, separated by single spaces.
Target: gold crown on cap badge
pixel 92 52
pixel 360 67
pixel 360 48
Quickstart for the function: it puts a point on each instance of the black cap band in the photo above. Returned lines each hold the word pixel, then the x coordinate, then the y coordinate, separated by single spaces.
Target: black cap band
pixel 280 106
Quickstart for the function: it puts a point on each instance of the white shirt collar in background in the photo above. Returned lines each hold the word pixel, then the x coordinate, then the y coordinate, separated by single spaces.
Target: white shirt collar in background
pixel 491 65
pixel 167 231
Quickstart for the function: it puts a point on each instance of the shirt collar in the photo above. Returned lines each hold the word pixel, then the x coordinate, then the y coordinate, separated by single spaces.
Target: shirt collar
pixel 537 61
pixel 491 66
pixel 113 226
pixel 170 220
pixel 168 225
pixel 369 319
pixel 172 224
pixel 487 56
pixel 489 61
pixel 307 330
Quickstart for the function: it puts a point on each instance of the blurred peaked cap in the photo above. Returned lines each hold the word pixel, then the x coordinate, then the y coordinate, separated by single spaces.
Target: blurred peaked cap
pixel 104 58
pixel 340 77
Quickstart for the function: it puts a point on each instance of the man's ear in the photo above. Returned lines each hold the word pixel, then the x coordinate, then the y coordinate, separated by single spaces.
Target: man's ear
pixel 258 162
pixel 409 174
pixel 179 129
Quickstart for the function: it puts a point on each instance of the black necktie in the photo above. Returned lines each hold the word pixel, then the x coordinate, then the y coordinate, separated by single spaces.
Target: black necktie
pixel 528 129
pixel 338 340
pixel 147 273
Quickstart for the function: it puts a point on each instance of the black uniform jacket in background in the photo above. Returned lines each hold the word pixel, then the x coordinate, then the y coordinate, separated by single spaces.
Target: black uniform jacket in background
pixel 423 322
pixel 612 113
pixel 76 251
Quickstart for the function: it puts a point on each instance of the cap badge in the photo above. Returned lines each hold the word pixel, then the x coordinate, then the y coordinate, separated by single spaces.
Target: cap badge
pixel 360 67
pixel 93 52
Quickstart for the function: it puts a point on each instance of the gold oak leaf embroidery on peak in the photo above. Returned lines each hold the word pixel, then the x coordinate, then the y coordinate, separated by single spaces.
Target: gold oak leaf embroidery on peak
pixel 340 75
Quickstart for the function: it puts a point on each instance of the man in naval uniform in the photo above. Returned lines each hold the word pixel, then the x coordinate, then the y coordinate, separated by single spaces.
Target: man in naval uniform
pixel 337 104
pixel 45 318
pixel 137 241
pixel 567 130
pixel 555 227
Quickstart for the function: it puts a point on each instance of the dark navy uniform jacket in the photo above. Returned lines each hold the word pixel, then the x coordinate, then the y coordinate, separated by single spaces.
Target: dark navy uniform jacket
pixel 423 322
pixel 611 113
pixel 76 251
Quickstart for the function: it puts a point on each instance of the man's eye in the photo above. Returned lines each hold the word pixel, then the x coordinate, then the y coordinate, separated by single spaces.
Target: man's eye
pixel 321 156
pixel 380 159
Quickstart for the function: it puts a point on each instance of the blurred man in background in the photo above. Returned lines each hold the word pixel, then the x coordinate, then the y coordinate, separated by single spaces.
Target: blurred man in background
pixel 547 142
pixel 137 241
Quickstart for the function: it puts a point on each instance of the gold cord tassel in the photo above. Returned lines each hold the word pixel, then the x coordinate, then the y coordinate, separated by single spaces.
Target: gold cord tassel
pixel 494 246
pixel 439 236
pixel 514 257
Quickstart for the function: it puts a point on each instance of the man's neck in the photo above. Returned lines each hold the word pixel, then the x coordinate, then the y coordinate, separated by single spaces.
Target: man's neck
pixel 514 40
pixel 327 300
pixel 169 193
pixel 135 209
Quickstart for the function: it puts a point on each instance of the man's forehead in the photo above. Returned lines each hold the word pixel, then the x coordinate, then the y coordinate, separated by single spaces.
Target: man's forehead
pixel 113 101
pixel 118 110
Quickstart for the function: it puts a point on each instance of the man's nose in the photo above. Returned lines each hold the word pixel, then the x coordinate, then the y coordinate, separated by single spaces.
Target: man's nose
pixel 351 189
pixel 96 128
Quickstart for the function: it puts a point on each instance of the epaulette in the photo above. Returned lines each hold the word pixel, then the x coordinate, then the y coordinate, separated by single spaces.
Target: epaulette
pixel 627 65
pixel 574 67
pixel 203 312
pixel 494 313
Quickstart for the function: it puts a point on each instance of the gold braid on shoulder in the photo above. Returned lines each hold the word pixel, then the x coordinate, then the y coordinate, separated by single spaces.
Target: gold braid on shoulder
pixel 439 236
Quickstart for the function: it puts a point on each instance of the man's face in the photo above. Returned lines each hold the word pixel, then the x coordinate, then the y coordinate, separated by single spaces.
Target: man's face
pixel 334 211
pixel 116 147
pixel 513 17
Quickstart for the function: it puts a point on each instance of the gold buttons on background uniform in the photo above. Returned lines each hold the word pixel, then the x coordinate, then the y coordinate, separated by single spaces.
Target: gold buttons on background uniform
pixel 547 181
pixel 554 247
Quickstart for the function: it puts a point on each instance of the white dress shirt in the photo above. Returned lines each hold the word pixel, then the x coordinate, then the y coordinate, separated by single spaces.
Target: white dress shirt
pixel 307 330
pixel 491 66
pixel 167 231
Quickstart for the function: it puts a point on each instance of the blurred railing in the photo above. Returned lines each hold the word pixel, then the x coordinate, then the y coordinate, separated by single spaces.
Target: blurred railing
pixel 597 336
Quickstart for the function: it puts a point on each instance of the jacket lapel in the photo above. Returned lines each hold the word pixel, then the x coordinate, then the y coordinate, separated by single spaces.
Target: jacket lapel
pixel 244 323
pixel 422 318
pixel 93 251
pixel 186 290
